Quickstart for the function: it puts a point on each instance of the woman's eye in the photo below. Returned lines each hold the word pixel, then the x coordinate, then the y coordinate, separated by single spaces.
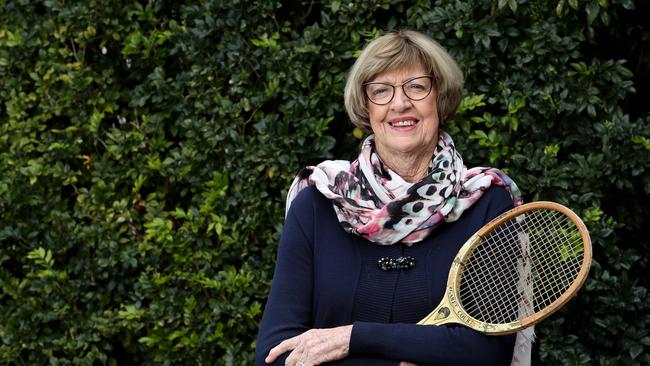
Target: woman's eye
pixel 380 91
pixel 415 87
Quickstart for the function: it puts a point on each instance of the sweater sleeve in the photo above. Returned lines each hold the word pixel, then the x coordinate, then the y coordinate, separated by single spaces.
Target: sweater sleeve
pixel 288 308
pixel 430 345
pixel 288 311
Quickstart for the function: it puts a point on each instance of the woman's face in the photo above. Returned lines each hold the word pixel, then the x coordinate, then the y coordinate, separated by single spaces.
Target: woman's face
pixel 404 126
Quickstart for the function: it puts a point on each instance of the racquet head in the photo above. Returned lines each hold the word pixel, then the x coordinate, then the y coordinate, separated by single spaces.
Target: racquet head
pixel 516 270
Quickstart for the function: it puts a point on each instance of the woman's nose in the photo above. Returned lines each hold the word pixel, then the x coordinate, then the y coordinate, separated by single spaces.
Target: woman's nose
pixel 400 100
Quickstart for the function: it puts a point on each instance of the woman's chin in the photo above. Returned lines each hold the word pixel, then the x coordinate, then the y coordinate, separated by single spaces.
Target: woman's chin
pixel 404 145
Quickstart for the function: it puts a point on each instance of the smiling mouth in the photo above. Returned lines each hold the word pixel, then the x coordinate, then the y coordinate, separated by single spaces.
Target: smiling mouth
pixel 406 123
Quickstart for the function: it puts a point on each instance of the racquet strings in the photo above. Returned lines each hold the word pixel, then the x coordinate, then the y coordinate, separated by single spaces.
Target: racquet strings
pixel 522 267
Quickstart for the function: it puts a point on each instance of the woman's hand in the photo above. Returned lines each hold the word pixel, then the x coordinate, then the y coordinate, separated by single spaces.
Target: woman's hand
pixel 314 347
pixel 404 363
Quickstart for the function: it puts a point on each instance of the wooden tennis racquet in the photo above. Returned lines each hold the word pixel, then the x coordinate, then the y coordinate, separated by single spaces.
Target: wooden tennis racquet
pixel 516 270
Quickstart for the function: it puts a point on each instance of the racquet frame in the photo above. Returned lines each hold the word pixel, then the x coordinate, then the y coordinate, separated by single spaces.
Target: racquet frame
pixel 450 309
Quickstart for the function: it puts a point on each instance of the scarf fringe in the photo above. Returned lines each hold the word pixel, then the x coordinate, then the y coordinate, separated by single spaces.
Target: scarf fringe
pixel 522 353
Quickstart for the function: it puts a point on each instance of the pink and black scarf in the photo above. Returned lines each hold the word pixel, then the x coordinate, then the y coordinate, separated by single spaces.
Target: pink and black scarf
pixel 374 202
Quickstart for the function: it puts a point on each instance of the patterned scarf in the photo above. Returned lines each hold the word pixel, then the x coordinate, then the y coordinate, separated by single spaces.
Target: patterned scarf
pixel 374 202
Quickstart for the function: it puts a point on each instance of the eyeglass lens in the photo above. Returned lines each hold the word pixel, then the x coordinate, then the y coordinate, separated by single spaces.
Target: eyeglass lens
pixel 383 93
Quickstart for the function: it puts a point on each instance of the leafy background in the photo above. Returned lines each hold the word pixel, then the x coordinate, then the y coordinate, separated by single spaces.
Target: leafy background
pixel 146 149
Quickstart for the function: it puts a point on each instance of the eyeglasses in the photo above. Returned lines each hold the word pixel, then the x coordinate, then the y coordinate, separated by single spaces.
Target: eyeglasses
pixel 416 88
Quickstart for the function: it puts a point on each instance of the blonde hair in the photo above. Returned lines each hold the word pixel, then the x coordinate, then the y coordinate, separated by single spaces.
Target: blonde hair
pixel 403 49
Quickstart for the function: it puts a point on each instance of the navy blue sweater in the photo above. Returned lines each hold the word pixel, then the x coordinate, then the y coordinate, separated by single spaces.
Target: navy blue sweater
pixel 325 277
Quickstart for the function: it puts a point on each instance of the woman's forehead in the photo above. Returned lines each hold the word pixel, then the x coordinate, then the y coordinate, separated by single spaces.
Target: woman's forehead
pixel 400 75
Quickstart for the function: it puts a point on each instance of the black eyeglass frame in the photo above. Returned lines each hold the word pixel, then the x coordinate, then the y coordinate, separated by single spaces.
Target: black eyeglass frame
pixel 365 90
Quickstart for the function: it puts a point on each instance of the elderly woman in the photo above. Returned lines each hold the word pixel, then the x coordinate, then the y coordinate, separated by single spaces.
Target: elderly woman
pixel 367 245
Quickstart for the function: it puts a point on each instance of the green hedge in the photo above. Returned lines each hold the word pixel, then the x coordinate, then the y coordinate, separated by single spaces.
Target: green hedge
pixel 146 149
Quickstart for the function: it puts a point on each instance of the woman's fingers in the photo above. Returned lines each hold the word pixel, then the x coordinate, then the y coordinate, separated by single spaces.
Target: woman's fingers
pixel 297 356
pixel 314 347
pixel 284 346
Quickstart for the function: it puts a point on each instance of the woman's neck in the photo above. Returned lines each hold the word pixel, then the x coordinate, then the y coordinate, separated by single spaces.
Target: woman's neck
pixel 412 167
